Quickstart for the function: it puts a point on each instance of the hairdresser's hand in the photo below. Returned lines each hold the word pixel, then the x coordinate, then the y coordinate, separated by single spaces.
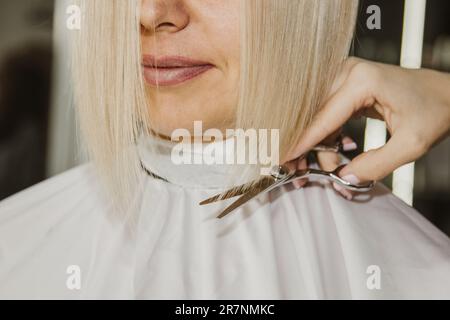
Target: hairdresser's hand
pixel 415 104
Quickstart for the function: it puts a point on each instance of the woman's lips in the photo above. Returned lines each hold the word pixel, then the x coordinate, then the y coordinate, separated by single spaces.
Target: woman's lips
pixel 172 70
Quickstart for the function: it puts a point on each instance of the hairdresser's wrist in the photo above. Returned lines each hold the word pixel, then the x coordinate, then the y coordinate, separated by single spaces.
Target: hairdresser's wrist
pixel 447 101
pixel 431 112
pixel 442 82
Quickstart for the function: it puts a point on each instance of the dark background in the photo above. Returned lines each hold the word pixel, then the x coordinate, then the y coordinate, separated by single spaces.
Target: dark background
pixel 27 65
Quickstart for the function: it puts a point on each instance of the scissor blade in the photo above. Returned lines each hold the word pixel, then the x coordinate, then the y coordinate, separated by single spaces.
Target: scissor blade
pixel 233 192
pixel 262 185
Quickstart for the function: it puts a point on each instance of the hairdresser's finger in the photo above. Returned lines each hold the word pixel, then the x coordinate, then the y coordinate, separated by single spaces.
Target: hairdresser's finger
pixel 336 112
pixel 301 164
pixel 348 144
pixel 376 164
pixel 342 76
pixel 329 161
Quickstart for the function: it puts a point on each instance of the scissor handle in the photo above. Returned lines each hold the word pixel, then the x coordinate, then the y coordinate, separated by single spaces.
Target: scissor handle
pixel 332 176
pixel 337 147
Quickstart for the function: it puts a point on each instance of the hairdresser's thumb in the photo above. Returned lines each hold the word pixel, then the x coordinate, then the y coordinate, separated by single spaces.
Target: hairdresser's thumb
pixel 376 164
pixel 361 170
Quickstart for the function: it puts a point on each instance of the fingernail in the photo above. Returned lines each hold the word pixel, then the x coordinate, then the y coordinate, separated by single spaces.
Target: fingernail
pixel 350 146
pixel 352 179
pixel 297 185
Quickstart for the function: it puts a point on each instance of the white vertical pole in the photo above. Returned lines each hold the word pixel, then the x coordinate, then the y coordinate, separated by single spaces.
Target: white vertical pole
pixel 375 134
pixel 411 58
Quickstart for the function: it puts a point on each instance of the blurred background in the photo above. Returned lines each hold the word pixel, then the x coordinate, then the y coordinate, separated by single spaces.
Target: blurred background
pixel 37 126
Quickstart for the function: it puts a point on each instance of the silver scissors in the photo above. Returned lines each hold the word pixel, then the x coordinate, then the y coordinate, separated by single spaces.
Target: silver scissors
pixel 281 175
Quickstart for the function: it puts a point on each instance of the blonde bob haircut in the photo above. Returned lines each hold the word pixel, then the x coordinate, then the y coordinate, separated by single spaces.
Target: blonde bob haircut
pixel 291 52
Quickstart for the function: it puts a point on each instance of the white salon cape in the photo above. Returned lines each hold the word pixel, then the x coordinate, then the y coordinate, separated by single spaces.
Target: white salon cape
pixel 58 241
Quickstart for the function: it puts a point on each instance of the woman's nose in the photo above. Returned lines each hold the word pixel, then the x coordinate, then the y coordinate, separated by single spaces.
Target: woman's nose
pixel 164 15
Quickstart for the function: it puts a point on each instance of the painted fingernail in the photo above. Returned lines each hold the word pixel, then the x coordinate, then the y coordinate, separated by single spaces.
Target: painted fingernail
pixel 352 179
pixel 350 146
